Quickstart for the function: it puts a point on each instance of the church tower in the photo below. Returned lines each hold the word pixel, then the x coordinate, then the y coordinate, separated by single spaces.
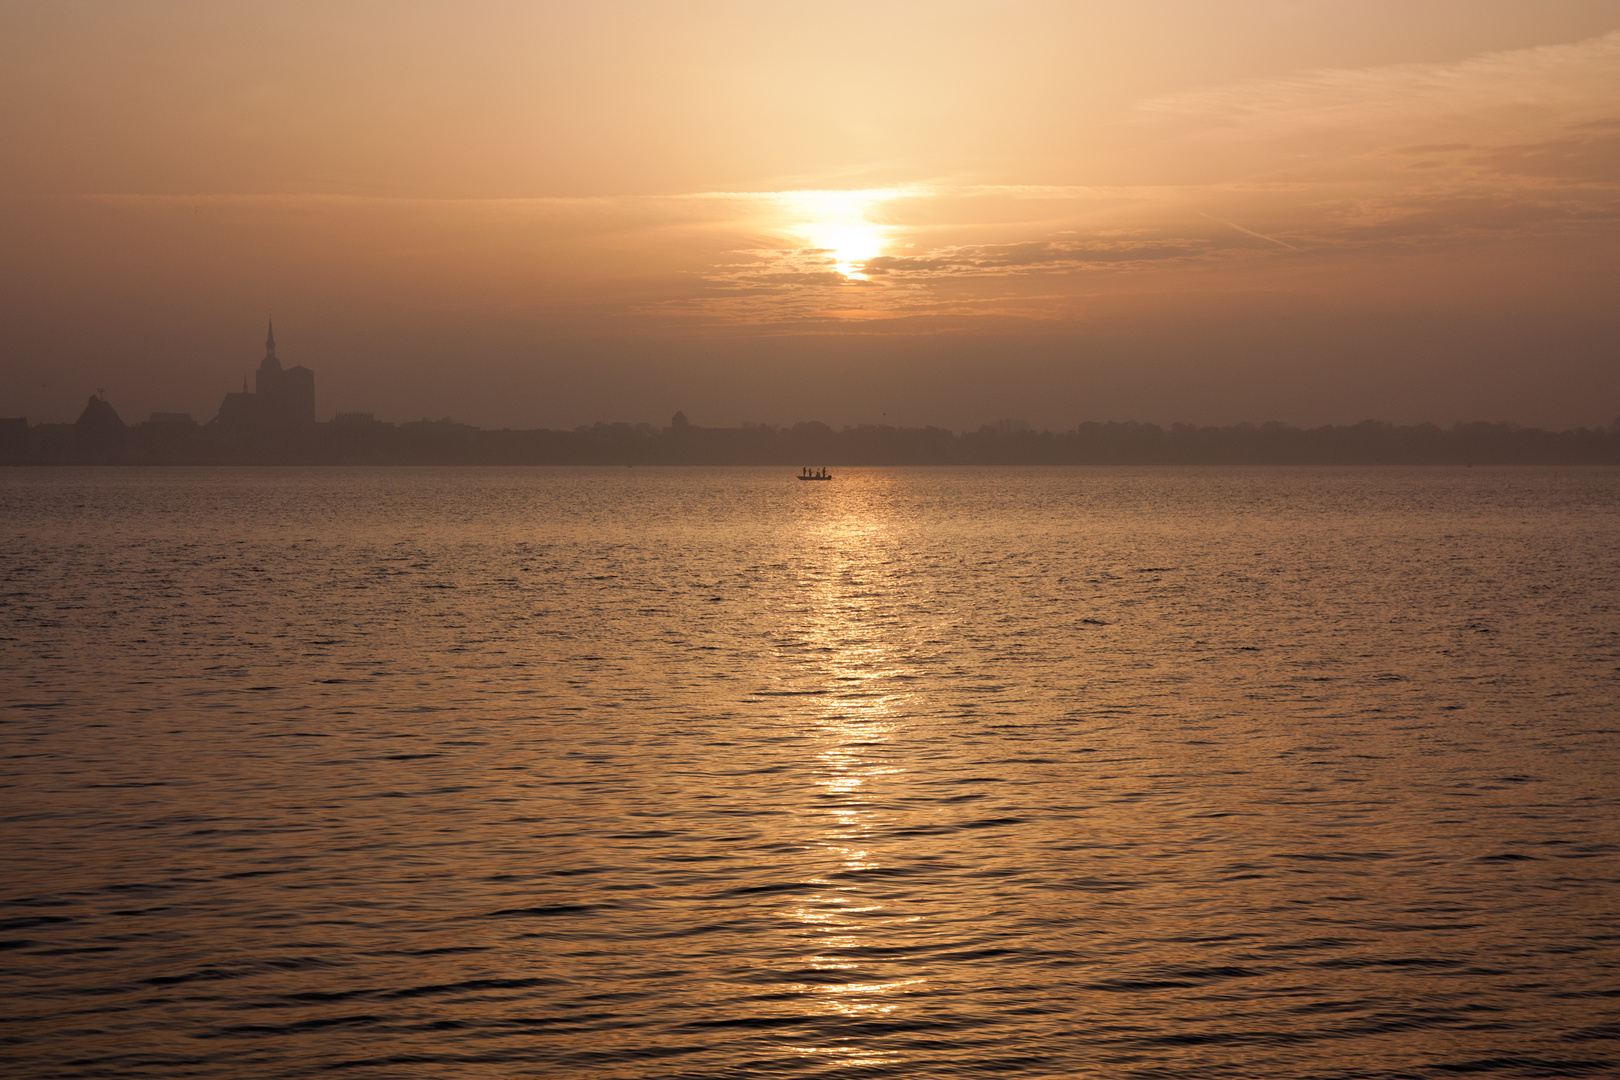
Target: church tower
pixel 268 381
pixel 283 399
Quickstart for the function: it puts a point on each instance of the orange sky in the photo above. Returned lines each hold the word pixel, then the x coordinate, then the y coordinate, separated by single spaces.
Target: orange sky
pixel 944 212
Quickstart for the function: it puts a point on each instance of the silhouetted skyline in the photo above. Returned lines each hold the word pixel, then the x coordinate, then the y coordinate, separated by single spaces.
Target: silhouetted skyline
pixel 274 422
pixel 249 434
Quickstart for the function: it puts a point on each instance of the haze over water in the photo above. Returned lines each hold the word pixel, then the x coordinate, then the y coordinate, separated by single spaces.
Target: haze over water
pixel 708 772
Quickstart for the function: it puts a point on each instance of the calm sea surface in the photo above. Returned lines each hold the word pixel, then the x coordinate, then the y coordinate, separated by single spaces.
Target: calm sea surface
pixel 1115 773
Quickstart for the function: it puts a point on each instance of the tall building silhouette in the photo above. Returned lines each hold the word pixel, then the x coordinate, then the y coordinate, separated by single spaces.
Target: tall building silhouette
pixel 282 398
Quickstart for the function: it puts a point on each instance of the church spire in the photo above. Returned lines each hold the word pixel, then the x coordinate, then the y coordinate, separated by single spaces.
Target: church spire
pixel 270 341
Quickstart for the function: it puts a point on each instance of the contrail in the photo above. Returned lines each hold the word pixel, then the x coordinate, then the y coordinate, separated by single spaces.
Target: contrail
pixel 1251 232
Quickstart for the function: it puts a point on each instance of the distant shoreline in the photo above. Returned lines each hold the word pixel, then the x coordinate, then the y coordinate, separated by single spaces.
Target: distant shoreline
pixel 610 466
pixel 353 441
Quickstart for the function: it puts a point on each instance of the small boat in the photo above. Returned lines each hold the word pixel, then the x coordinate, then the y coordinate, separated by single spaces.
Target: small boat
pixel 818 474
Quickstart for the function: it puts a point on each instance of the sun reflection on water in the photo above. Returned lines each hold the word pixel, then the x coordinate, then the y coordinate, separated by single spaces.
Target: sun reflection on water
pixel 853 931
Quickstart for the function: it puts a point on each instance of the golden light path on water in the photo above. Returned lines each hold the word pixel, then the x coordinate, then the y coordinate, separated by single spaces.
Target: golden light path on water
pixel 849 623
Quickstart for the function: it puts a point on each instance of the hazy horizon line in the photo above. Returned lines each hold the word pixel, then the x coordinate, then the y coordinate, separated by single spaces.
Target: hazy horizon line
pixel 1001 425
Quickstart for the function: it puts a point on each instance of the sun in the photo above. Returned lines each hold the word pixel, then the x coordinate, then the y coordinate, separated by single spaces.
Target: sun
pixel 850 245
pixel 838 224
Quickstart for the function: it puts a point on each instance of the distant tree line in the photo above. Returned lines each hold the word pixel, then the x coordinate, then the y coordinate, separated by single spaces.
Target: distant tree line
pixel 100 436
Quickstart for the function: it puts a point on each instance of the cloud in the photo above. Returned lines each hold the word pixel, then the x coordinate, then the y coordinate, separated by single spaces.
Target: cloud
pixel 1258 177
pixel 1588 153
pixel 1496 149
pixel 1037 256
pixel 1574 81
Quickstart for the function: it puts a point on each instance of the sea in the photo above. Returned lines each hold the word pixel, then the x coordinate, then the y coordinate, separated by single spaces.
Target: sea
pixel 710 773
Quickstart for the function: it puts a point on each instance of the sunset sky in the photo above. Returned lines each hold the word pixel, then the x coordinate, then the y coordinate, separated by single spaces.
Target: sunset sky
pixel 951 212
